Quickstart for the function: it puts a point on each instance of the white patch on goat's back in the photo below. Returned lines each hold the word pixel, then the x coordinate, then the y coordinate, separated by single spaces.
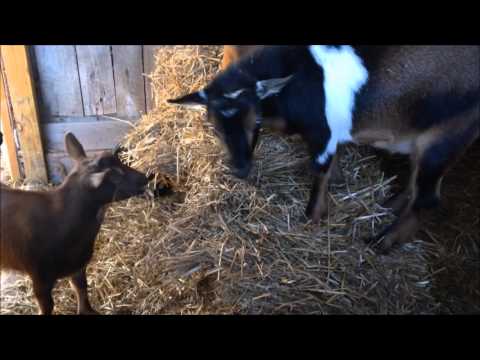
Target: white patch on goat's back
pixel 344 75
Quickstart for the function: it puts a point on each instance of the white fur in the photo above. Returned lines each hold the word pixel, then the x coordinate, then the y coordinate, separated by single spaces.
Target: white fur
pixel 234 94
pixel 266 88
pixel 229 112
pixel 203 94
pixel 400 147
pixel 323 158
pixel 344 75
pixel 96 179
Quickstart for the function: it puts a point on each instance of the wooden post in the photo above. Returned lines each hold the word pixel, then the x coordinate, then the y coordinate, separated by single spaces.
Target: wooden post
pixel 7 130
pixel 25 113
pixel 148 67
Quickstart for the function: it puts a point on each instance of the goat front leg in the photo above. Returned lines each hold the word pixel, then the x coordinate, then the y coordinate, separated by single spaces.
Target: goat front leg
pixel 318 204
pixel 42 289
pixel 79 283
pixel 336 174
pixel 401 231
pixel 398 202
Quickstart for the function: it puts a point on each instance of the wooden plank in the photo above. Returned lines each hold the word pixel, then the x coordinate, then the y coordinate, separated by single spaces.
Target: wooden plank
pixel 129 82
pixel 93 135
pixel 70 119
pixel 25 111
pixel 8 130
pixel 96 79
pixel 59 83
pixel 59 164
pixel 149 52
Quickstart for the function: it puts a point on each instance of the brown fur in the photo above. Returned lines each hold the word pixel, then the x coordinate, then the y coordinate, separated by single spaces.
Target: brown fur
pixel 51 235
pixel 233 53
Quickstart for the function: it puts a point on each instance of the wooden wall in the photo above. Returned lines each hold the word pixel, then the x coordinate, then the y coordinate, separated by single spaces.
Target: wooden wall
pixel 85 90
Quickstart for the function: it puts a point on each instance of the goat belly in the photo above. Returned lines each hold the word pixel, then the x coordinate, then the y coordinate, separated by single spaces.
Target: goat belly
pixel 78 250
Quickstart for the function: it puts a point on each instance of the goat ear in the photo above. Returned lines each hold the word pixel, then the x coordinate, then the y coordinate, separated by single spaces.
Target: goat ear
pixel 266 88
pixel 96 179
pixel 193 99
pixel 74 148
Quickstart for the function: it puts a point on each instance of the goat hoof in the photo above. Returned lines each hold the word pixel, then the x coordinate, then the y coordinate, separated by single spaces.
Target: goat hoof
pixel 397 233
pixel 384 246
pixel 381 244
pixel 396 203
pixel 162 191
pixel 315 217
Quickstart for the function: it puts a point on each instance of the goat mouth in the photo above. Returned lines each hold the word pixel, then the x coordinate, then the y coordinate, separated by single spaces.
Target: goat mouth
pixel 128 193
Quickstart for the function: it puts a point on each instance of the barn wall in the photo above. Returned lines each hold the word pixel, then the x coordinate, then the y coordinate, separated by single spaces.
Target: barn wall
pixel 81 88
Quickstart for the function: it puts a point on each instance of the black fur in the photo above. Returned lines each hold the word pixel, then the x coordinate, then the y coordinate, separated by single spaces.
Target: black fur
pixel 419 86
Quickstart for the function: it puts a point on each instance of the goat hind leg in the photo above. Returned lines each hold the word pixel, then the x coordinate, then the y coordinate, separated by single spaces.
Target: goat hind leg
pixel 398 202
pixel 78 281
pixel 42 289
pixel 434 155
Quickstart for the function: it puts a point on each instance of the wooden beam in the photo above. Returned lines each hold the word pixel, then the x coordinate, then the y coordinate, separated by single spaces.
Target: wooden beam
pixel 129 84
pixel 96 79
pixel 98 135
pixel 58 80
pixel 7 130
pixel 25 111
pixel 149 52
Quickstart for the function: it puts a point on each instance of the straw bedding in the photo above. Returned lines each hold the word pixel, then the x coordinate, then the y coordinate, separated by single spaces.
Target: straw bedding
pixel 224 246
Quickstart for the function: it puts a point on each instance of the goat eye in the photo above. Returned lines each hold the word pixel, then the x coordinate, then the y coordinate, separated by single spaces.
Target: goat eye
pixel 229 112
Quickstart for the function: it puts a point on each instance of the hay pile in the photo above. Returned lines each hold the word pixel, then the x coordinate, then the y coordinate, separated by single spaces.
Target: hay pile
pixel 223 246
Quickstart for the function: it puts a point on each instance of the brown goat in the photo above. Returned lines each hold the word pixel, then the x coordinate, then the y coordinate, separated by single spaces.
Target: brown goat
pixel 51 235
